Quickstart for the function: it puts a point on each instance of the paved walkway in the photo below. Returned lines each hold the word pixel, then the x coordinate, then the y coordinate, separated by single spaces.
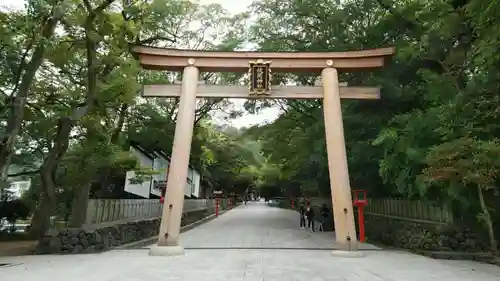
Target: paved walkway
pixel 258 226
pixel 209 258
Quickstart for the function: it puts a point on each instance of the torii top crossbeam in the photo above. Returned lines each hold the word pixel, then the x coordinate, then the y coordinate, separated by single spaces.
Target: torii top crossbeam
pixel 237 61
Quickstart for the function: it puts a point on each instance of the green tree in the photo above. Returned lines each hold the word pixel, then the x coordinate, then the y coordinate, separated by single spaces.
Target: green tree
pixel 467 163
pixel 22 55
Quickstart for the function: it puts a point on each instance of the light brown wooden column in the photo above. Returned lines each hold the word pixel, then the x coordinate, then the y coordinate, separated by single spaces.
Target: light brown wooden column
pixel 168 241
pixel 345 231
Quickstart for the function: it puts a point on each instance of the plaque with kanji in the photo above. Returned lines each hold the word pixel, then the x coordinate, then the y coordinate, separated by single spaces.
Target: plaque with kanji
pixel 260 77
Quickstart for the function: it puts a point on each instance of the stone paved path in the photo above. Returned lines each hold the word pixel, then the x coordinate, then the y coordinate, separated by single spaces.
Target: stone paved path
pixel 256 226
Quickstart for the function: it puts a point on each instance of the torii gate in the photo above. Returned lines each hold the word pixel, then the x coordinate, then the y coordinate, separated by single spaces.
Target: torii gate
pixel 259 65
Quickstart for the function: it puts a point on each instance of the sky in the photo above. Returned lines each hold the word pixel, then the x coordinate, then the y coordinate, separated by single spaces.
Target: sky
pixel 233 7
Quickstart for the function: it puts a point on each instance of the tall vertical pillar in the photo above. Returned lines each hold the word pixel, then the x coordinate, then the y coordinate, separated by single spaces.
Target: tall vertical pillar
pixel 168 238
pixel 345 231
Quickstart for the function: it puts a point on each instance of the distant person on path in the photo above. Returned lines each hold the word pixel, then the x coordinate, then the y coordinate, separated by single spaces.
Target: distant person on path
pixel 324 216
pixel 302 212
pixel 310 217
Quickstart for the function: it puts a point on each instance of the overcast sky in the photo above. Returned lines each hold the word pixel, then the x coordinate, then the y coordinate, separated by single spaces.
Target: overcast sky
pixel 234 7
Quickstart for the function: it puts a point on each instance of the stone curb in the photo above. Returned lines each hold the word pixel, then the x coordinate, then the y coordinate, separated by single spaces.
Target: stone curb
pixel 152 240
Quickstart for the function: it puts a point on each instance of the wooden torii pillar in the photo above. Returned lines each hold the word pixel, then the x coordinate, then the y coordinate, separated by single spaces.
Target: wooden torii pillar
pixel 259 65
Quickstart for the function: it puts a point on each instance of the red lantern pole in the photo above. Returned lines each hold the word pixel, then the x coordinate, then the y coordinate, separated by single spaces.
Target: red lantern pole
pixel 361 223
pixel 217 207
pixel 361 203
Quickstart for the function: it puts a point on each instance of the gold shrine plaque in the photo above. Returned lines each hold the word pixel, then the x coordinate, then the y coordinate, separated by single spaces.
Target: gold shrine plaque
pixel 260 77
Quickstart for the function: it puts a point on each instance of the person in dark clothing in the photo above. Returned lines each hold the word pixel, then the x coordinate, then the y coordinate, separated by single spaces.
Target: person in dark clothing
pixel 310 218
pixel 324 216
pixel 302 212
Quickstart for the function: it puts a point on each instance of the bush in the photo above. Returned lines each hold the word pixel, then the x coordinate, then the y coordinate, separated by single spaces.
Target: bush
pixel 13 210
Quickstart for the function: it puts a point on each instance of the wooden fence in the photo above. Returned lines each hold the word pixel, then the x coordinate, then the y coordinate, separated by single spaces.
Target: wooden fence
pixel 110 211
pixel 413 210
pixel 399 209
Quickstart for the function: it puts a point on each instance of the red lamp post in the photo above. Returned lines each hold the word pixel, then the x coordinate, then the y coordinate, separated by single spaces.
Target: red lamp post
pixel 217 204
pixel 231 199
pixel 218 194
pixel 360 201
pixel 162 185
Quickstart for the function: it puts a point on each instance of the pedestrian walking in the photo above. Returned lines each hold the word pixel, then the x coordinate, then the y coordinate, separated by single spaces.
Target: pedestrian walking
pixel 325 212
pixel 302 212
pixel 310 218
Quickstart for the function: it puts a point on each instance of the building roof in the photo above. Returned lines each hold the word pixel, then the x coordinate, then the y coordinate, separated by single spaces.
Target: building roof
pixel 152 153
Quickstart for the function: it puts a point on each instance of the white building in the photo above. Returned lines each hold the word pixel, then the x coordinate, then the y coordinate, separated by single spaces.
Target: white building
pixel 158 162
pixel 19 187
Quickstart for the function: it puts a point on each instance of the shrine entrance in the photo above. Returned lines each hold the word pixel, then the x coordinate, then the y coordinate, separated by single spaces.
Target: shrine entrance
pixel 260 66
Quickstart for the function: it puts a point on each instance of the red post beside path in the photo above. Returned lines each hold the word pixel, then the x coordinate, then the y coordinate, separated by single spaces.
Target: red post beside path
pixel 361 223
pixel 292 203
pixel 360 201
pixel 217 203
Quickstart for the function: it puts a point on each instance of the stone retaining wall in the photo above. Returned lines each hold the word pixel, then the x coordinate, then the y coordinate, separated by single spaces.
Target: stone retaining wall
pixel 80 240
pixel 419 235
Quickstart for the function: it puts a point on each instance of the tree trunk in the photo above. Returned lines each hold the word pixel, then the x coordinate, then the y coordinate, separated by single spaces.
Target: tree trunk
pixel 79 210
pixel 21 91
pixel 47 173
pixel 40 222
pixel 104 175
pixel 489 223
